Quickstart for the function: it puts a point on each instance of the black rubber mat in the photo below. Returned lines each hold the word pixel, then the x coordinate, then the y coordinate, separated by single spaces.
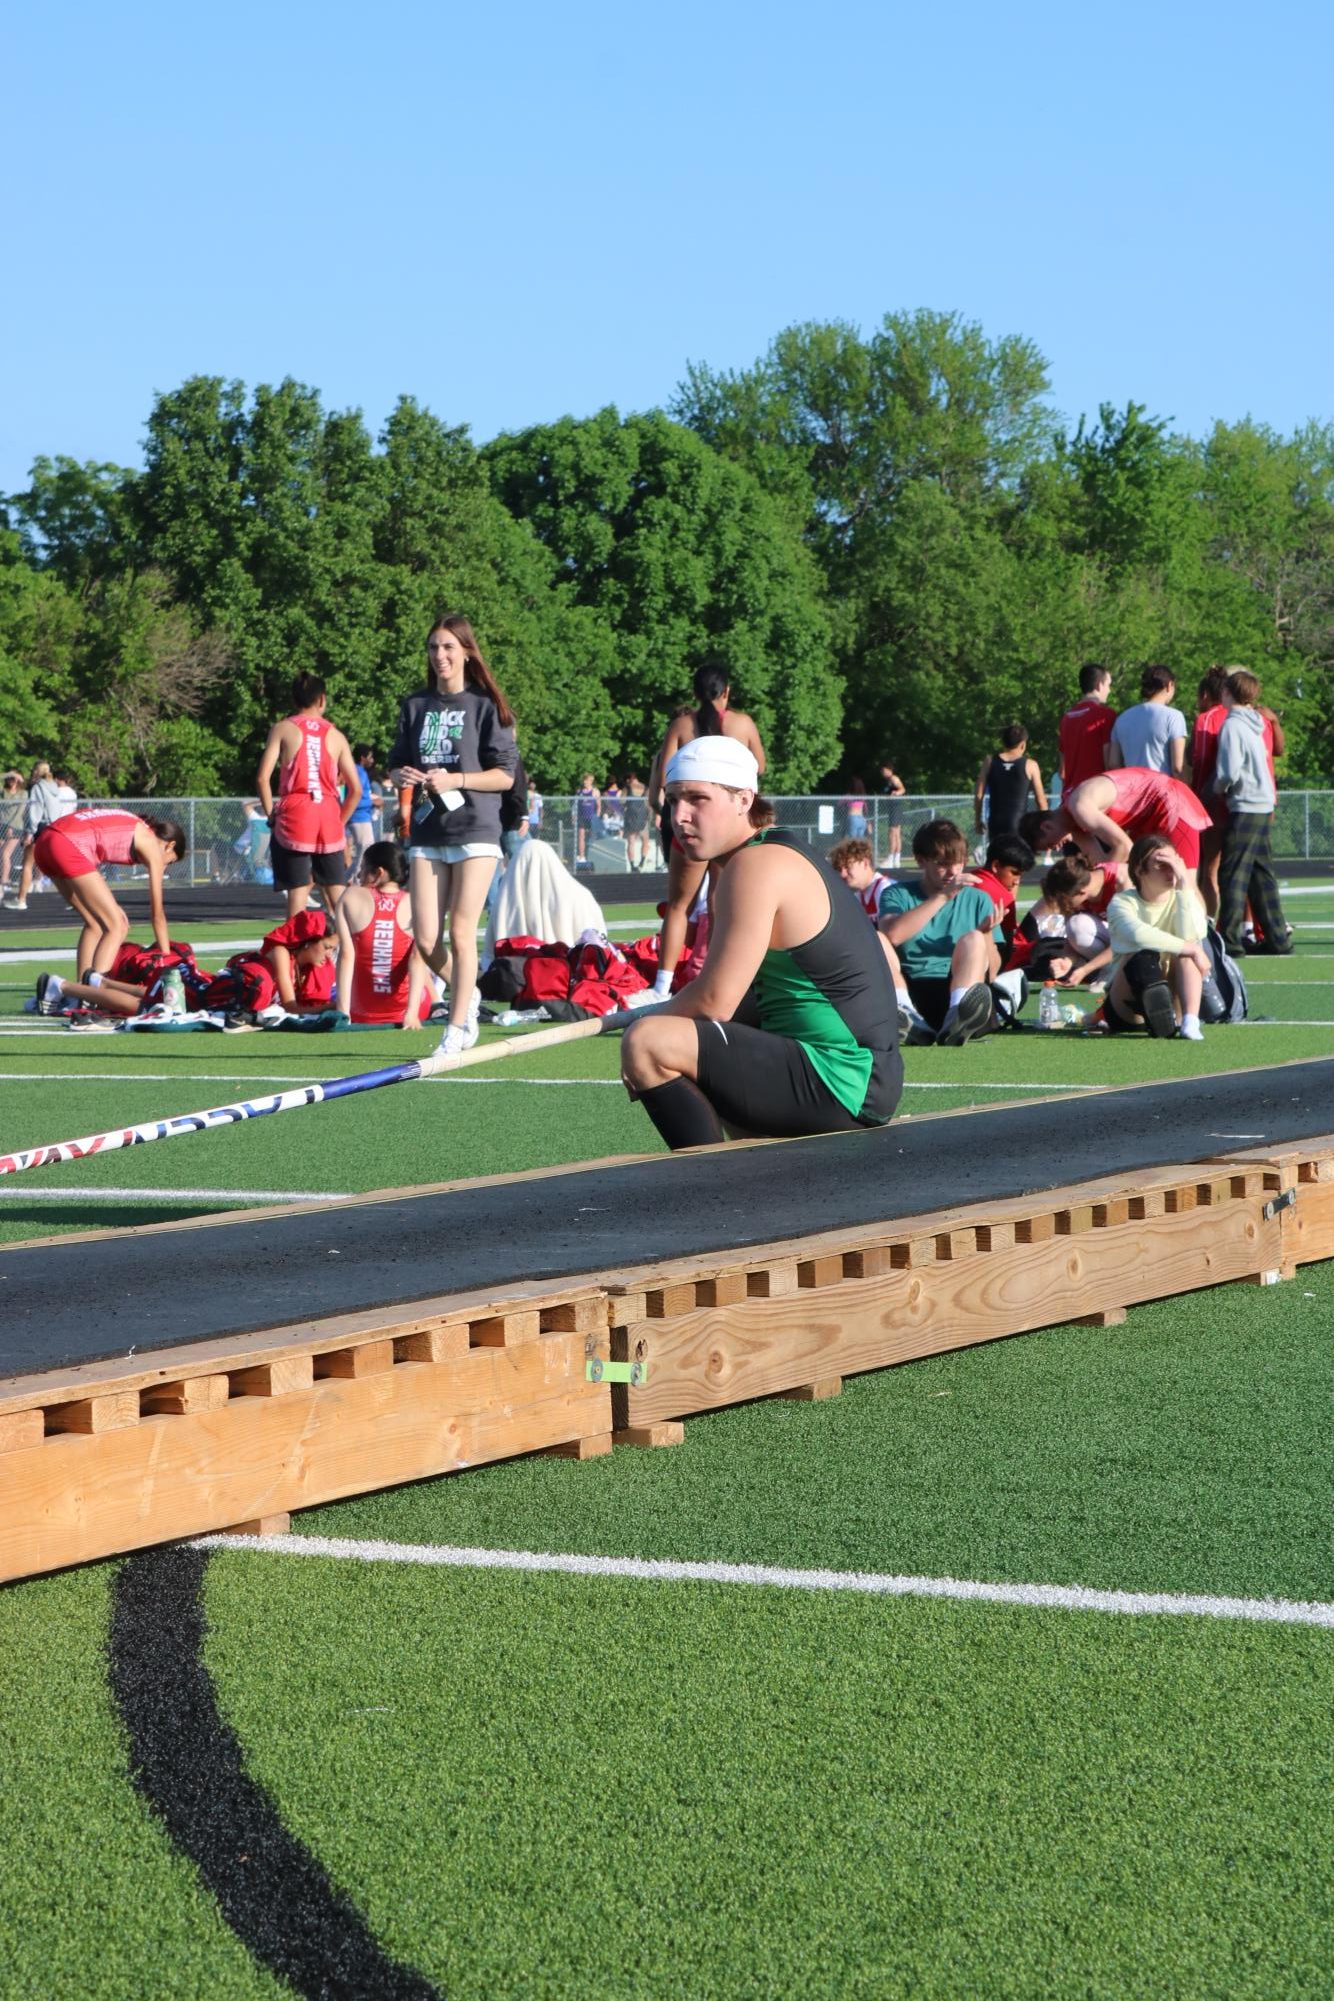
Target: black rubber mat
pixel 67 1303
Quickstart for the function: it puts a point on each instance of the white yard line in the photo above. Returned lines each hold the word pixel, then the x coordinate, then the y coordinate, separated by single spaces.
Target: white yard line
pixel 51 955
pixel 1039 1597
pixel 237 1198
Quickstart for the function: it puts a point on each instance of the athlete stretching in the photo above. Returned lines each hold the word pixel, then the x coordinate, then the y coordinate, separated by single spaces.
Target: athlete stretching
pixel 790 1028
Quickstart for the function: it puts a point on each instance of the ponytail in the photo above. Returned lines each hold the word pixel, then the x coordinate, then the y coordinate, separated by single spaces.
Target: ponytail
pixel 389 856
pixel 710 683
pixel 173 833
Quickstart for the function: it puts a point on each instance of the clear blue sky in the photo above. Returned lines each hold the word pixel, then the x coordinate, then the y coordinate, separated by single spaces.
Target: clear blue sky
pixel 515 212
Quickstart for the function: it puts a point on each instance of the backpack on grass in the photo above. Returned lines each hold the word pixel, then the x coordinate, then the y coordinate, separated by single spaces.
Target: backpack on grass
pixel 1224 997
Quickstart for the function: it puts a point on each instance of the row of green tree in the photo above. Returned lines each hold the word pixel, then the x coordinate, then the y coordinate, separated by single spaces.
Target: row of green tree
pixel 888 541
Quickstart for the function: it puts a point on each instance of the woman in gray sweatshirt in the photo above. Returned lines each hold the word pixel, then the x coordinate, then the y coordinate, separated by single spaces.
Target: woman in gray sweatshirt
pixel 1243 780
pixel 453 756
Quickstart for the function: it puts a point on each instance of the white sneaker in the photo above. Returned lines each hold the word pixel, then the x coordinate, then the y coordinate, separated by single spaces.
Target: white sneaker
pixel 457 1037
pixel 13 903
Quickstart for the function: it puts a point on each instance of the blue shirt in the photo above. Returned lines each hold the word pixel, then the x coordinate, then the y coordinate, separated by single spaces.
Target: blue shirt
pixel 364 809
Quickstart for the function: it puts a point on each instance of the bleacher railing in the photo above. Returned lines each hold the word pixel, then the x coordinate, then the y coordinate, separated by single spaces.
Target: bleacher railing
pixel 229 842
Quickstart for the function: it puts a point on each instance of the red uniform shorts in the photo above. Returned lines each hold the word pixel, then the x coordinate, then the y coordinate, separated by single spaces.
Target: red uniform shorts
pixel 54 854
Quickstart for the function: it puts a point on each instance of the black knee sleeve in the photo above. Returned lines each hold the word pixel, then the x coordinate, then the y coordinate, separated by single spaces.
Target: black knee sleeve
pixel 682 1114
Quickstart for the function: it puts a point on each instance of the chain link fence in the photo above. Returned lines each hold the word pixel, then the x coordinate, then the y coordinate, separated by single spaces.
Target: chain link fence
pixel 229 841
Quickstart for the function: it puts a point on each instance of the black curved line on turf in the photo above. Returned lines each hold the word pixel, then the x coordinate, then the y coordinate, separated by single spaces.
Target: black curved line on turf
pixel 187 1763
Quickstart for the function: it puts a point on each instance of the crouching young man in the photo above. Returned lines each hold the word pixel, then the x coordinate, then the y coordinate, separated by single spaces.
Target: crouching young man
pixel 938 929
pixel 790 1027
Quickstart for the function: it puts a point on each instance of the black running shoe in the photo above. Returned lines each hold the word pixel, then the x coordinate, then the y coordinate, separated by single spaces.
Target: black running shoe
pixel 1155 1004
pixel 49 995
pixel 971 1017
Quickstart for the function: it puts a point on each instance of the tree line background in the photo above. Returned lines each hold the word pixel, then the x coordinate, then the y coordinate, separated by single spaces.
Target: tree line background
pixel 888 541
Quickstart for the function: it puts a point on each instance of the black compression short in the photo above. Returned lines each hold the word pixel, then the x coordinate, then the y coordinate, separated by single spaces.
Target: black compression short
pixel 763 1085
pixel 294 870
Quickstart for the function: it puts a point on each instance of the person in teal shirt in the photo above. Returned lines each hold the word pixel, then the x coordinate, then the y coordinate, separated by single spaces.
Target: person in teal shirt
pixel 937 931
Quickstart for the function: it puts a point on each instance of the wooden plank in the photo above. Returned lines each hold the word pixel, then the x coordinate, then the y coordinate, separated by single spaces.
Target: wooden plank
pixel 21 1427
pixel 433 1344
pixel 1106 1316
pixel 813 1273
pixel 73 1498
pixel 507 1330
pixel 587 1315
pixel 728 1289
pixel 596 1447
pixel 667 1301
pixel 650 1435
pixel 279 1524
pixel 113 1412
pixel 180 1398
pixel 310 1337
pixel 873 1262
pixel 710 1359
pixel 817 1392
pixel 776 1278
pixel 370 1359
pixel 274 1379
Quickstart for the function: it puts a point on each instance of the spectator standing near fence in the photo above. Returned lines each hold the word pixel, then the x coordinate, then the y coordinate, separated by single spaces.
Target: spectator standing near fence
pixel 41 811
pixel 854 808
pixel 13 799
pixel 1084 729
pixel 1152 735
pixel 894 789
pixel 1202 758
pixel 1244 778
pixel 1004 781
pixel 636 823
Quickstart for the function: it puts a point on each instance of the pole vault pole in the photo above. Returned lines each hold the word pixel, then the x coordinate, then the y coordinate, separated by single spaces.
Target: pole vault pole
pixel 311 1094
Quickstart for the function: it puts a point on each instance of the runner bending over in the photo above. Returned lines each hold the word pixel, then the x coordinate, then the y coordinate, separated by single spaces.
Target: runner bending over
pixel 1107 815
pixel 455 747
pixel 790 1027
pixel 382 977
pixel 72 851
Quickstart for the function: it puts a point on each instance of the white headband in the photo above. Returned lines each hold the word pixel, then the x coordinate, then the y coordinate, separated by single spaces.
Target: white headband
pixel 717 760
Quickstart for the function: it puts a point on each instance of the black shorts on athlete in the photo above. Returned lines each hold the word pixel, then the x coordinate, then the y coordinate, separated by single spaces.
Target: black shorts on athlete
pixel 293 869
pixel 766 1085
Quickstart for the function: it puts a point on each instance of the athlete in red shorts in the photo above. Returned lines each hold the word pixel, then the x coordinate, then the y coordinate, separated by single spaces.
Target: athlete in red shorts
pixel 72 851
pixel 309 823
pixel 1107 815
pixel 382 978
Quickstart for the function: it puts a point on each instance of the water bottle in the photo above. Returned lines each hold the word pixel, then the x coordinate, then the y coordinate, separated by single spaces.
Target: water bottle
pixel 173 991
pixel 1049 1007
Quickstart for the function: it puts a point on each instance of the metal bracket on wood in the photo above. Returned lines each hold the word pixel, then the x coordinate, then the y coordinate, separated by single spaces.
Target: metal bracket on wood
pixel 634 1373
pixel 1277 1203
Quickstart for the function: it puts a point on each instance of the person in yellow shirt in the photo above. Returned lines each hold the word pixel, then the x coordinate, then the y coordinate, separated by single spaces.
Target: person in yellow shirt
pixel 1160 962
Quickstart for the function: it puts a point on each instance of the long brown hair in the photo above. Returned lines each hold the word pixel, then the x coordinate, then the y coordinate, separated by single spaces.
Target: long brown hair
pixel 477 672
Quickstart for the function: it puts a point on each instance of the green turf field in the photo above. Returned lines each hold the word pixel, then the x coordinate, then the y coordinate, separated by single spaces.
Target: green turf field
pixel 587 1781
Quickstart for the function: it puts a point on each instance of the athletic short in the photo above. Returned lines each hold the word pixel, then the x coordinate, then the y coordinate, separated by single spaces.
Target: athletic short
pixel 295 870
pixel 458 851
pixel 1186 841
pixel 894 812
pixel 636 816
pixel 55 854
pixel 764 1085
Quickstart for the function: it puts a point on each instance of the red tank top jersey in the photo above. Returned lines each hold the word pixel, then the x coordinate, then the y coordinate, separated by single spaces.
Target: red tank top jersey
pixel 1083 735
pixel 1150 802
pixel 99 836
pixel 1097 906
pixel 308 818
pixel 869 897
pixel 381 952
pixel 1204 752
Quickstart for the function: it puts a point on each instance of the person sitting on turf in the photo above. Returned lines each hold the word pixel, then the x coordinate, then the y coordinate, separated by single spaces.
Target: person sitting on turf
pixel 789 1028
pixel 290 972
pixel 938 929
pixel 134 983
pixel 854 860
pixel 1009 858
pixel 382 978
pixel 1068 923
pixel 1159 919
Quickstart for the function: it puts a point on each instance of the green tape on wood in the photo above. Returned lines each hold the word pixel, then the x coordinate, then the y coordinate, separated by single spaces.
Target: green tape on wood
pixel 633 1373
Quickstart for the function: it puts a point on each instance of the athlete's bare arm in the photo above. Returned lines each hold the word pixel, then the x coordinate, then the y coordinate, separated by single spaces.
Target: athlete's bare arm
pixel 151 852
pixel 277 744
pixel 1035 780
pixel 418 974
pixel 744 731
pixel 352 903
pixel 764 897
pixel 1176 751
pixel 979 793
pixel 1112 759
pixel 280 962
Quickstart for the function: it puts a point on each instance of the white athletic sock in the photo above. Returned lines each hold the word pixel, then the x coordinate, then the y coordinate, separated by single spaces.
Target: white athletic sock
pixel 1189 1021
pixel 94 980
pixel 903 997
pixel 957 994
pixel 662 985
